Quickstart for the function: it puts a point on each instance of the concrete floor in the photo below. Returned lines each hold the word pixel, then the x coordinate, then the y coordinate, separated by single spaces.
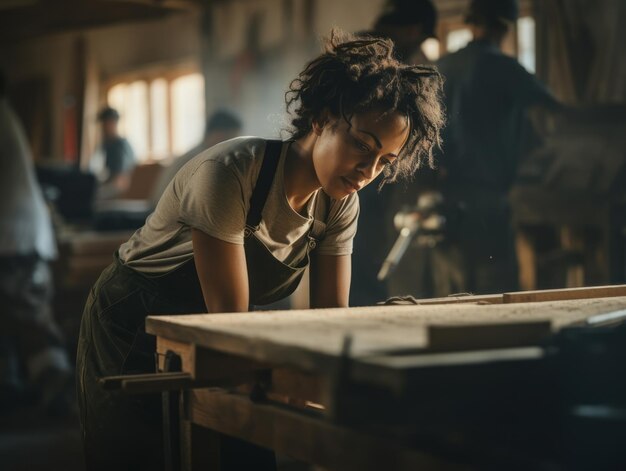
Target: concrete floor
pixel 30 441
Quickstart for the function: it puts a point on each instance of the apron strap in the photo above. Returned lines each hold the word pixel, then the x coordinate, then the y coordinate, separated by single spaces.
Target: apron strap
pixel 263 184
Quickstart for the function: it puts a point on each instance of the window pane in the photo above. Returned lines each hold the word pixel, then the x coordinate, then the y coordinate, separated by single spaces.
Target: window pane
pixel 136 113
pixel 187 112
pixel 158 119
pixel 526 42
pixel 430 47
pixel 458 38
pixel 131 101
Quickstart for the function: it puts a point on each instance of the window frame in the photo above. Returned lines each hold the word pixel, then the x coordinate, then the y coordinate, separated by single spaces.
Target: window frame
pixel 168 72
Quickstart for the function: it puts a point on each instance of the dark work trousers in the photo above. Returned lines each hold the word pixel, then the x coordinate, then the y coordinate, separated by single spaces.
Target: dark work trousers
pixel 478 255
pixel 125 431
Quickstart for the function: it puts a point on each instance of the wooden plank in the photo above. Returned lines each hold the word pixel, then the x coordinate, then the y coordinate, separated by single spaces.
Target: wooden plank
pixel 395 371
pixel 486 336
pixel 305 387
pixel 305 437
pixel 527 259
pixel 457 299
pixel 312 340
pixel 565 294
pixel 185 350
pixel 208 364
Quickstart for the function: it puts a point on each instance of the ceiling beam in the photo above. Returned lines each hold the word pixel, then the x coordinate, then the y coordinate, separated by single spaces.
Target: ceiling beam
pixel 27 18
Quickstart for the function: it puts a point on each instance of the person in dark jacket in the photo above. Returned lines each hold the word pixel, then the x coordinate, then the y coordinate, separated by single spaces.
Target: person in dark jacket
pixel 487 96
pixel 408 23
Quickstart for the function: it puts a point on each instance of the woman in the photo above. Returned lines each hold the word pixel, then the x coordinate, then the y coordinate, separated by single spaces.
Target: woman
pixel 240 222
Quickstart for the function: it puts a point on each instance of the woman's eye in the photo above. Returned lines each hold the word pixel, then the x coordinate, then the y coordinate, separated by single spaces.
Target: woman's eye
pixel 362 146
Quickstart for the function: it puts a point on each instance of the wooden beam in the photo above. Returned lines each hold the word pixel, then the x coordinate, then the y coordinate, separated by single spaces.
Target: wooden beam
pixel 565 294
pixel 208 364
pixel 397 372
pixel 486 336
pixel 306 437
pixel 459 299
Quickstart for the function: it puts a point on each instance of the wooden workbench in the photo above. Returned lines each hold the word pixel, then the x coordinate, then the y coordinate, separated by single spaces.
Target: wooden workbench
pixel 299 359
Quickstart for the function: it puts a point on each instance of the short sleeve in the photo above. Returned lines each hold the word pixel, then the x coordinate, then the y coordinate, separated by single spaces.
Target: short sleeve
pixel 128 158
pixel 341 225
pixel 212 201
pixel 119 157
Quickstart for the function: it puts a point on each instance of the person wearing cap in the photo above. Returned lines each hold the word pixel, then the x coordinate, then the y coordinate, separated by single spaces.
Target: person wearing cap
pixel 114 164
pixel 33 357
pixel 221 125
pixel 487 95
pixel 408 23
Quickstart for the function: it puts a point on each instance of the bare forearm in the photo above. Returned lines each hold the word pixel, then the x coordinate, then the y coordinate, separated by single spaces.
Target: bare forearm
pixel 222 273
pixel 330 281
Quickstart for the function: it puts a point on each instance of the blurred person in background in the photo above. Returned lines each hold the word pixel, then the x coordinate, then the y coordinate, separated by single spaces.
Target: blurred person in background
pixel 114 162
pixel 487 95
pixel 222 125
pixel 32 354
pixel 408 23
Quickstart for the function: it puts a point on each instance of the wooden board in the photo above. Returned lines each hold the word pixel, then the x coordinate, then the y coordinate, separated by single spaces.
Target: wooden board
pixel 529 296
pixel 313 339
pixel 455 299
pixel 565 294
pixel 306 437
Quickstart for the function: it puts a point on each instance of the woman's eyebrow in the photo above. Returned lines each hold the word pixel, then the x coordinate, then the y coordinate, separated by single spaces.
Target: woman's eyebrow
pixel 378 144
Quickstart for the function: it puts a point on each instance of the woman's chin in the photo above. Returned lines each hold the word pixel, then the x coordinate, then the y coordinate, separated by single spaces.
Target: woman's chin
pixel 338 193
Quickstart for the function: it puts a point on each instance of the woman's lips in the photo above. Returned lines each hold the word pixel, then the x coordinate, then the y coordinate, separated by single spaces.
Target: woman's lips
pixel 353 186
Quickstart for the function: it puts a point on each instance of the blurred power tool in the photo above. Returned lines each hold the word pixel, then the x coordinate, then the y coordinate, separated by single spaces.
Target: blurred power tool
pixel 426 220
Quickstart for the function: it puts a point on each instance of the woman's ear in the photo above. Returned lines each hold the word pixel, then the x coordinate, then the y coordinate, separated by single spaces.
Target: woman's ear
pixel 317 126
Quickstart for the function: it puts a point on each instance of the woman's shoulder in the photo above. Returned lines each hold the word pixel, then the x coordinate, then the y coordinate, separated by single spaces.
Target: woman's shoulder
pixel 240 154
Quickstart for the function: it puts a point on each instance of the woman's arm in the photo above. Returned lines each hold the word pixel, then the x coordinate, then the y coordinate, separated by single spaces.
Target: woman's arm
pixel 223 273
pixel 330 280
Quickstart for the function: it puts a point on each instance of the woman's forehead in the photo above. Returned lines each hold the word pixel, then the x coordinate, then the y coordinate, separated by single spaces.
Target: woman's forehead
pixel 381 119
pixel 385 126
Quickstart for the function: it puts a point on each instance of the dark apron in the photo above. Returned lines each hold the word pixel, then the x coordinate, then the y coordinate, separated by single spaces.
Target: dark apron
pixel 124 432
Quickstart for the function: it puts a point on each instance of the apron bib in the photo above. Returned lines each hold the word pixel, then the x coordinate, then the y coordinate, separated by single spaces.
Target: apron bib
pixel 269 279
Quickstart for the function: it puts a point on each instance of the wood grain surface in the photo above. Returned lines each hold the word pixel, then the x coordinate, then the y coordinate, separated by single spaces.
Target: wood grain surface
pixel 313 339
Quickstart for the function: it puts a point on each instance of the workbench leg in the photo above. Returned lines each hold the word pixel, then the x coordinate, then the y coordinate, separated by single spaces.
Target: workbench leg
pixel 171 403
pixel 200 447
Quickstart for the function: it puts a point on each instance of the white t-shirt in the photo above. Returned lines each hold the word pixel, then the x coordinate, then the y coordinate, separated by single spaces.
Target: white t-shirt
pixel 25 225
pixel 212 193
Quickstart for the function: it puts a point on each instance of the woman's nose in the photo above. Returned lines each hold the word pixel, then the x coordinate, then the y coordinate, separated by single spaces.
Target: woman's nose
pixel 368 167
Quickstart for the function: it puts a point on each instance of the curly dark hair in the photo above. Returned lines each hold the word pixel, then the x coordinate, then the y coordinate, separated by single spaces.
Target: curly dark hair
pixel 358 74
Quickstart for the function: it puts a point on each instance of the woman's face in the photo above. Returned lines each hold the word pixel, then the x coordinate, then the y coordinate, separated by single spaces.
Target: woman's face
pixel 347 157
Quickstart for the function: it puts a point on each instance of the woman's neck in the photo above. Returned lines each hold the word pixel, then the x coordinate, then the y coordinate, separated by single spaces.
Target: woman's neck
pixel 300 179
